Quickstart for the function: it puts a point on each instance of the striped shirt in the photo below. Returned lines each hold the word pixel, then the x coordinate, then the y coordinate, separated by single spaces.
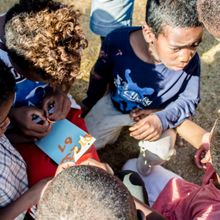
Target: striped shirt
pixel 13 175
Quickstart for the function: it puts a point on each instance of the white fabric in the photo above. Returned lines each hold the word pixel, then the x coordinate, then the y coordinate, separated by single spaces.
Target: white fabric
pixel 155 181
pixel 163 147
pixel 105 123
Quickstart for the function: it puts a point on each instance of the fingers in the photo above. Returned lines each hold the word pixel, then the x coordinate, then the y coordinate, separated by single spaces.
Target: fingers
pixel 66 108
pixel 207 157
pixel 202 157
pixel 138 114
pixel 150 134
pixel 149 128
pixel 34 123
pixel 197 158
pixel 139 125
pixel 62 107
pixel 64 166
pixel 45 105
pixel 37 132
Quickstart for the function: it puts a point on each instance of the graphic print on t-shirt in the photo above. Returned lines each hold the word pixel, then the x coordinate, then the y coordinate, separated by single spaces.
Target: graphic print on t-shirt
pixel 129 92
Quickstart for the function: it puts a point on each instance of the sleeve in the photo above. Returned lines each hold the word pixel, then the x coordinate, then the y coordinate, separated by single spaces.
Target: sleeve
pixel 101 74
pixel 187 101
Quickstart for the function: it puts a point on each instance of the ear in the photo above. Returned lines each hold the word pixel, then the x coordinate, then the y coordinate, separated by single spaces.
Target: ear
pixel 149 36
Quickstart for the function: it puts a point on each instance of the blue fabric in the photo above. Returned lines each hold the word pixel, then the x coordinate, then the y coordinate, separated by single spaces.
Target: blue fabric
pixel 107 15
pixel 137 84
pixel 28 92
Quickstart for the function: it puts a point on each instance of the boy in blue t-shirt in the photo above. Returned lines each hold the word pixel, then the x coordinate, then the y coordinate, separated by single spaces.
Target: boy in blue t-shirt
pixel 153 74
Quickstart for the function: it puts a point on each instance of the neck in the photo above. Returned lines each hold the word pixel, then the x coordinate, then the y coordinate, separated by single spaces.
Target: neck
pixel 141 48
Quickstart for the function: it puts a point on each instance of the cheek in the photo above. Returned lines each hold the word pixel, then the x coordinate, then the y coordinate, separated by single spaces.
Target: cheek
pixel 165 55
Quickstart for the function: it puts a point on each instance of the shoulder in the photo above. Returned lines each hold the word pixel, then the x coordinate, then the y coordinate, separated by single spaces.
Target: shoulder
pixel 119 38
pixel 193 67
pixel 122 32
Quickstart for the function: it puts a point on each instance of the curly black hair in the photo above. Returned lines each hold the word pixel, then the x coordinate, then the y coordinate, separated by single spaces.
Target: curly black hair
pixel 209 15
pixel 175 13
pixel 7 83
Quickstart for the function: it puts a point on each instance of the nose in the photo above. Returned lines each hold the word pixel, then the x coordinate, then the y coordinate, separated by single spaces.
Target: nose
pixel 185 55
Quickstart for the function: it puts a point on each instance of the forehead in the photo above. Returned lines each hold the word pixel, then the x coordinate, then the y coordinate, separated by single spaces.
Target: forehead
pixel 181 36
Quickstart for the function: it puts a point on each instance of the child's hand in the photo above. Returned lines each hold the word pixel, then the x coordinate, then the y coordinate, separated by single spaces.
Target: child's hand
pixel 96 163
pixel 202 155
pixel 25 118
pixel 64 166
pixel 148 128
pixel 138 114
pixel 56 106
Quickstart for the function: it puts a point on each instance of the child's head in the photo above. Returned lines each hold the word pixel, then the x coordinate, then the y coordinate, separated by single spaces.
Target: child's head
pixel 209 15
pixel 45 36
pixel 86 192
pixel 7 90
pixel 172 31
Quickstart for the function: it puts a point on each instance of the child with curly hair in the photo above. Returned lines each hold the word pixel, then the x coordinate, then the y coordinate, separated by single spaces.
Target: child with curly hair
pixel 41 41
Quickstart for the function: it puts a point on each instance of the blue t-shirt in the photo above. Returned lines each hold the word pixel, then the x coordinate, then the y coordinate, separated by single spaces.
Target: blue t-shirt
pixel 28 92
pixel 137 84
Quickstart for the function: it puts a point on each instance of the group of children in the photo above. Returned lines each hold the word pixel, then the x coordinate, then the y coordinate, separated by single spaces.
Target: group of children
pixel 147 78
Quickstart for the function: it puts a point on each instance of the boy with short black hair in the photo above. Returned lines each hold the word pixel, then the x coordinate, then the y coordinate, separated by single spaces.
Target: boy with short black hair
pixel 153 75
pixel 91 191
pixel 86 192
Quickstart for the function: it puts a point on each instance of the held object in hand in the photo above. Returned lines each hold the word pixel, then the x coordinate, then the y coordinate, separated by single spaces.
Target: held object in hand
pixel 37 119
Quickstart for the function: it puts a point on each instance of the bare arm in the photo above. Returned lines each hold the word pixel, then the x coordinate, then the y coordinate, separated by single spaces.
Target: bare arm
pixel 23 203
pixel 191 132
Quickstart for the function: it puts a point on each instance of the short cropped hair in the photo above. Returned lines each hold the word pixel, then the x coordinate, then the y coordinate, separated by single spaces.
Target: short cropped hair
pixel 215 148
pixel 175 13
pixel 7 83
pixel 84 193
pixel 46 35
pixel 209 14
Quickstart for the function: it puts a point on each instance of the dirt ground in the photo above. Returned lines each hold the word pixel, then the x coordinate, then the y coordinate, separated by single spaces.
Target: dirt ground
pixel 125 148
